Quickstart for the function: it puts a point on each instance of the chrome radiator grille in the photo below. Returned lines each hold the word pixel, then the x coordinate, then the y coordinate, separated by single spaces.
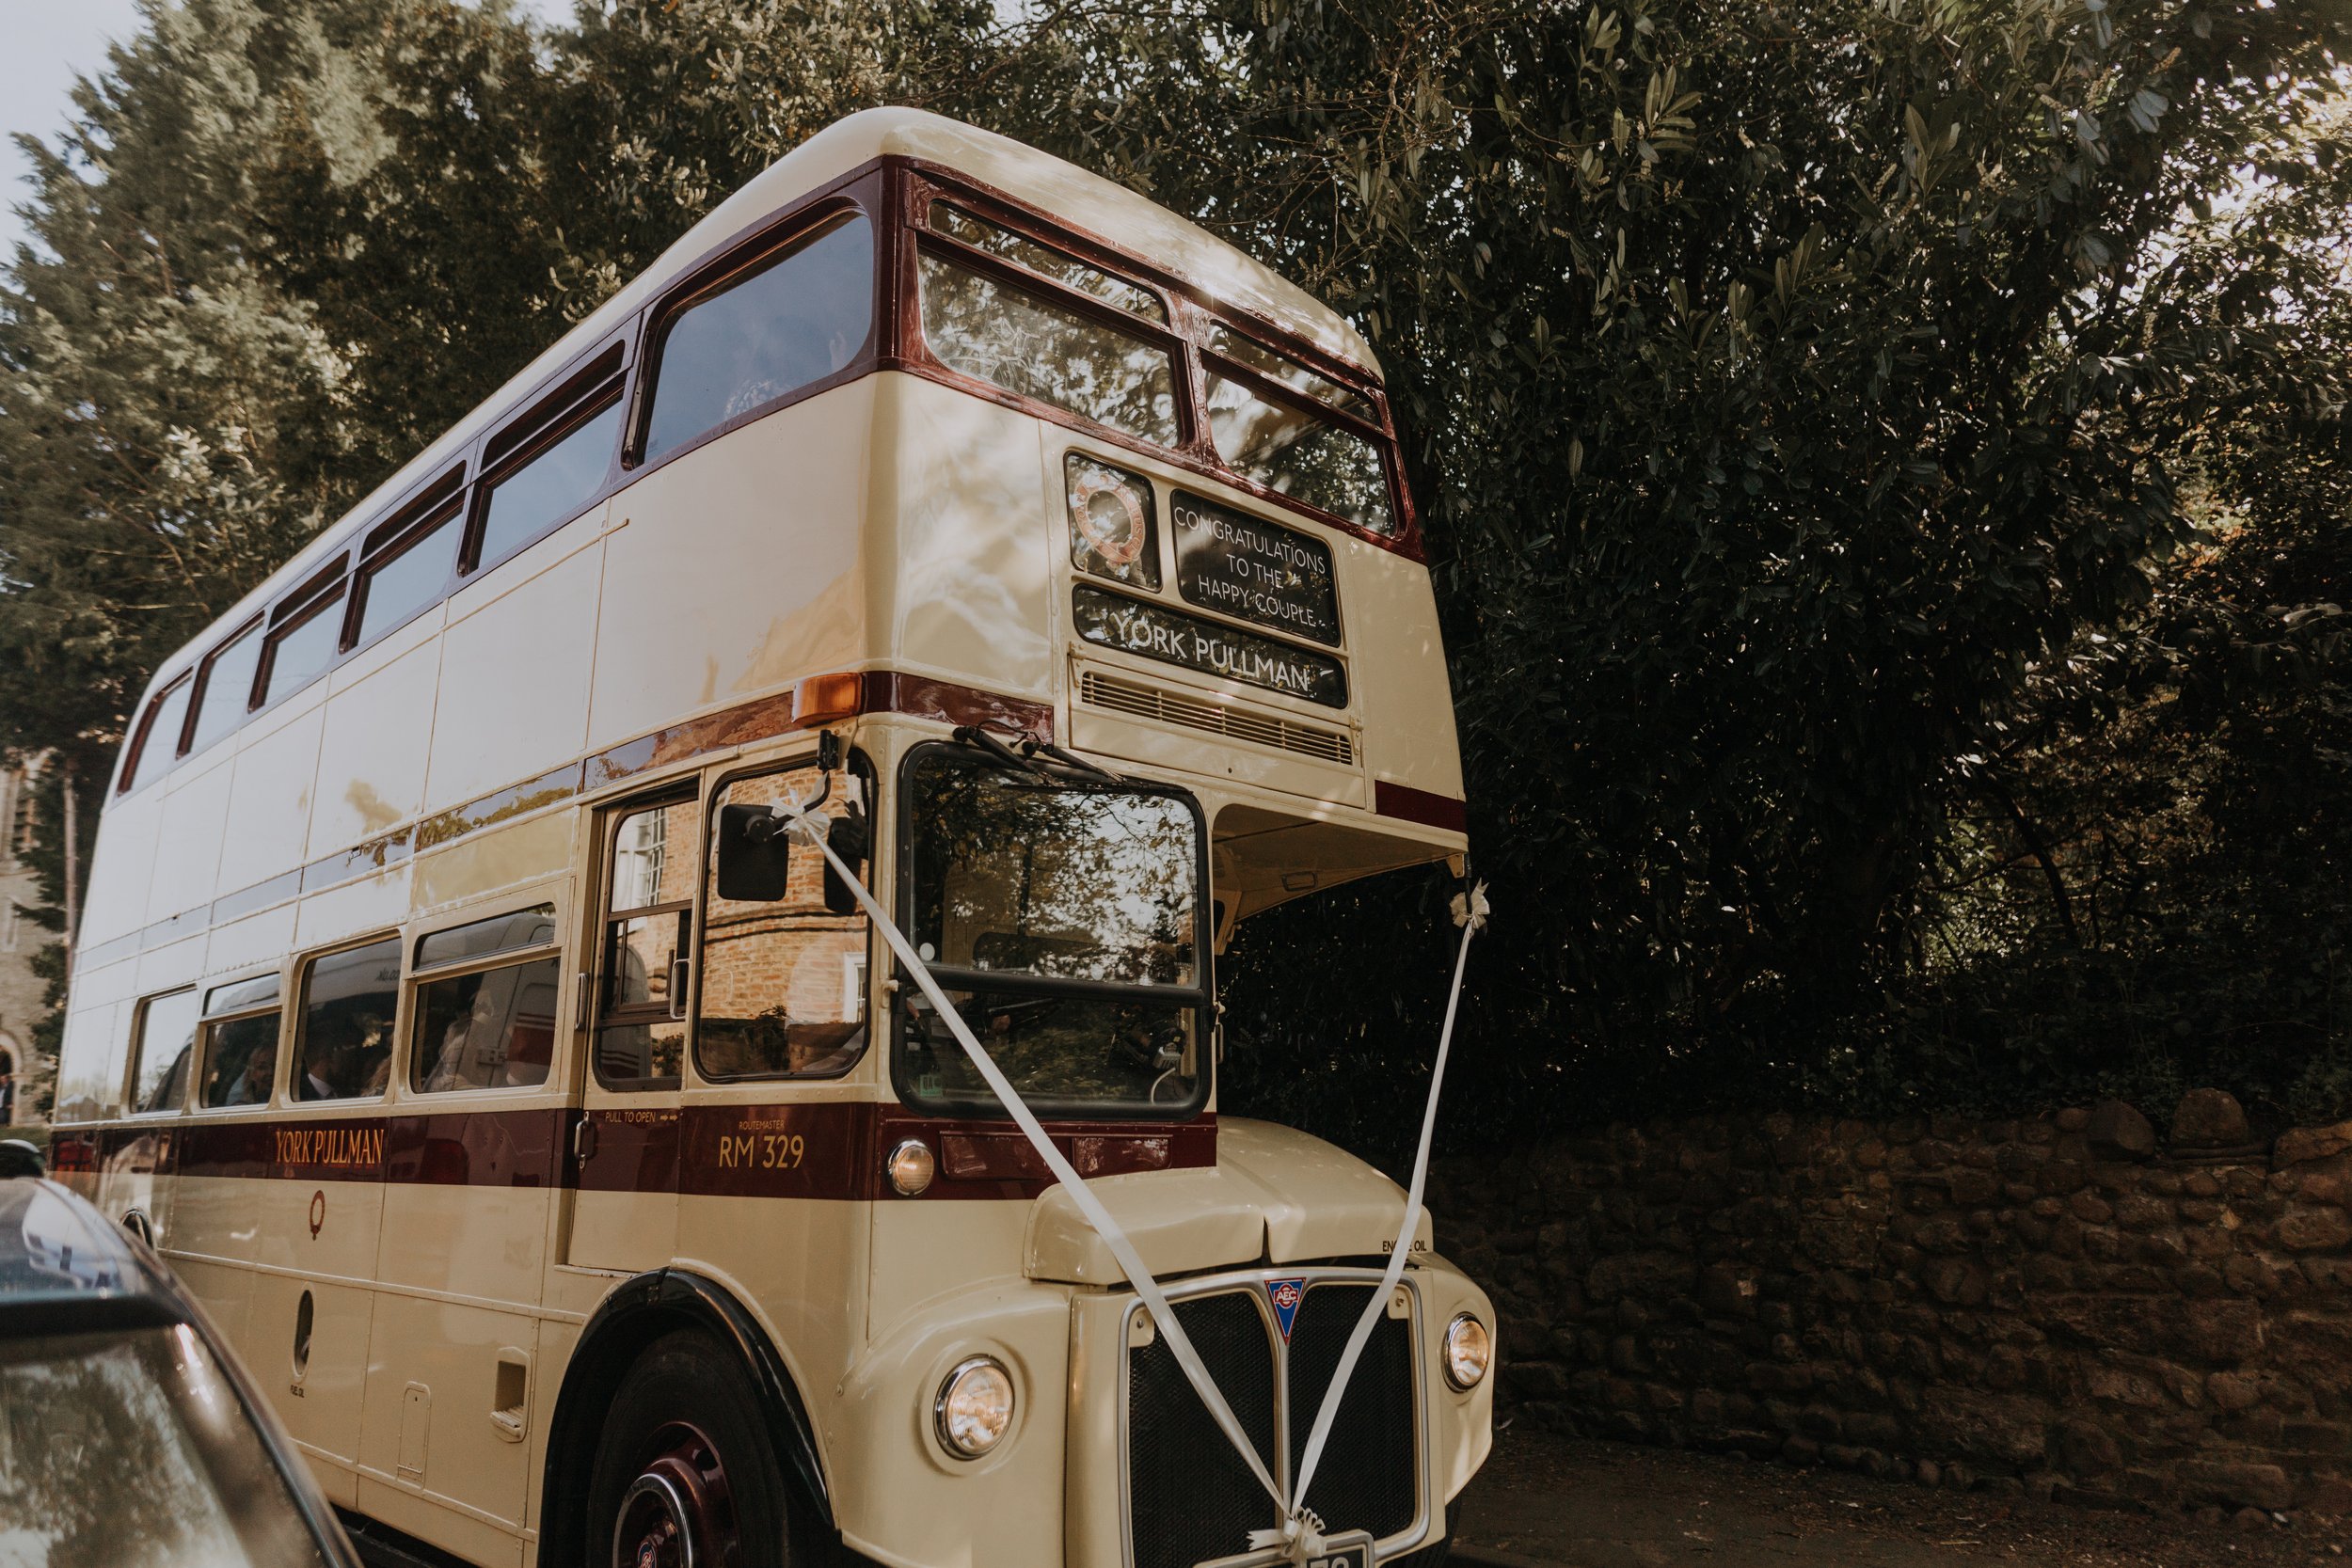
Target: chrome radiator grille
pixel 1191 1499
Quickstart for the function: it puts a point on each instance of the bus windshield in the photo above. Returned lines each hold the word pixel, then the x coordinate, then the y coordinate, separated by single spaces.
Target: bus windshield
pixel 1065 922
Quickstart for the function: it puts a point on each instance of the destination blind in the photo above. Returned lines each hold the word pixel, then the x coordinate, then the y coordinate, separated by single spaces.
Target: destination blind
pixel 1111 621
pixel 1254 570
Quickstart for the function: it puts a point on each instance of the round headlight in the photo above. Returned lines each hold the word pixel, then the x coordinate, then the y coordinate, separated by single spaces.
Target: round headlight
pixel 1467 1352
pixel 911 1167
pixel 974 1407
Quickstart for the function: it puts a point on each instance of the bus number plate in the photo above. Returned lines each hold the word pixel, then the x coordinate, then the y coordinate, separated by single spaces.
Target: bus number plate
pixel 1353 1550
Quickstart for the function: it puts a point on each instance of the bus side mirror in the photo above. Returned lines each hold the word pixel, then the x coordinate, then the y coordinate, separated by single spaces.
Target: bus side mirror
pixel 754 855
pixel 848 838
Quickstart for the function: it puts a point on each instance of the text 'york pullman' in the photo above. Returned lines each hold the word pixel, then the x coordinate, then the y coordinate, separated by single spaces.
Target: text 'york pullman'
pixel 1132 627
pixel 331 1145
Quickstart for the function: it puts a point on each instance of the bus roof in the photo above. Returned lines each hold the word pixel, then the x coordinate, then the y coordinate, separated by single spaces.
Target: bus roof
pixel 1083 201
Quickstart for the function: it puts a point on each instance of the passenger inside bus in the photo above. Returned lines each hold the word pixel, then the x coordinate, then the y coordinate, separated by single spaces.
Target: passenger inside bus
pixel 251 1086
pixel 345 1056
pixel 348 1004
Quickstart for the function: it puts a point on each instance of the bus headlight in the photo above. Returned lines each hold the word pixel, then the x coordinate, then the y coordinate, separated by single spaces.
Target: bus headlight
pixel 1468 1351
pixel 974 1407
pixel 910 1167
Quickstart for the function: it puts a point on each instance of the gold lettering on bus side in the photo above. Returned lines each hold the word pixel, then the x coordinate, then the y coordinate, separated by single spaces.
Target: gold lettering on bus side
pixel 331 1145
pixel 757 1149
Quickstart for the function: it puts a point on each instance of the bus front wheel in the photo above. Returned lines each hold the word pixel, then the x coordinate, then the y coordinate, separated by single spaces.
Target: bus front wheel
pixel 684 1475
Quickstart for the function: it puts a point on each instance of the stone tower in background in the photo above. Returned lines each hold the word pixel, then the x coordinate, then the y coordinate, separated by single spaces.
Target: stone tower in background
pixel 21 1002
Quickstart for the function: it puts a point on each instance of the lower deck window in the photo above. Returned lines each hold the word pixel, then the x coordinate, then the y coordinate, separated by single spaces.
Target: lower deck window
pixel 492 1025
pixel 493 1029
pixel 348 1003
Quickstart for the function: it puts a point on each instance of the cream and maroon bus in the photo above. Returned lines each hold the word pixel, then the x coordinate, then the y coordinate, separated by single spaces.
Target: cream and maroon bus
pixel 557 1144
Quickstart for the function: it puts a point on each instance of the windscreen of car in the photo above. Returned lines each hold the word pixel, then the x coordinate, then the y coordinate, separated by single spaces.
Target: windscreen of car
pixel 131 1450
pixel 1064 920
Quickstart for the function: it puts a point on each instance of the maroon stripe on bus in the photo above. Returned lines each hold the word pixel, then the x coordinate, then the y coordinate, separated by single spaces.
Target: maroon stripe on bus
pixel 824 1149
pixel 918 697
pixel 1408 804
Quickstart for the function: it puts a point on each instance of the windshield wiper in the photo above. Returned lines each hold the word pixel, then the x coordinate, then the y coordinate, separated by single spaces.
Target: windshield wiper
pixel 1032 755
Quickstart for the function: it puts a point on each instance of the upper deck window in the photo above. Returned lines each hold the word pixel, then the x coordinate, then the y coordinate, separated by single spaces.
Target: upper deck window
pixel 551 487
pixel 158 740
pixel 301 648
pixel 796 317
pixel 406 576
pixel 1290 372
pixel 1046 262
pixel 1295 453
pixel 227 688
pixel 1039 349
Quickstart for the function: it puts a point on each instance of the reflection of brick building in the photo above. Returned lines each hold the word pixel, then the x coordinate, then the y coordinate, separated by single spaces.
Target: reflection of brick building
pixel 783 982
pixel 21 1002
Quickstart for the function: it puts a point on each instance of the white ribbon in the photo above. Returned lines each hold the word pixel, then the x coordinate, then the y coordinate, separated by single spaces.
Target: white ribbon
pixel 1469 912
pixel 1300 1531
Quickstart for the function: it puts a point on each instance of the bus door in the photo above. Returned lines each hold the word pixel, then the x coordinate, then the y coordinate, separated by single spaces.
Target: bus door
pixel 471 1165
pixel 776 1112
pixel 625 1143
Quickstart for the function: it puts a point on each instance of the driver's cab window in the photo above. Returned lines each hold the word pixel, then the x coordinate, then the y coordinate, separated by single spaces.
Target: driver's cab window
pixel 1062 914
pixel 651 855
pixel 783 987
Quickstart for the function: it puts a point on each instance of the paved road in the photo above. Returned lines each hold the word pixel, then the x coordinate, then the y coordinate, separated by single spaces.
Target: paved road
pixel 1578 1504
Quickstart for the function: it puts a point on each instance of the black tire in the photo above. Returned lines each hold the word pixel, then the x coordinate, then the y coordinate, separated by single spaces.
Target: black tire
pixel 686 1449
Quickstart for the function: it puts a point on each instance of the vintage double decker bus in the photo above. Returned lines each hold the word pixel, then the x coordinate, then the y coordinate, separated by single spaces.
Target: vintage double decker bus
pixel 559 1143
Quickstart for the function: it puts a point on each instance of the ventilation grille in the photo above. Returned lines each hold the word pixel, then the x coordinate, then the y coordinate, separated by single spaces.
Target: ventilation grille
pixel 1200 713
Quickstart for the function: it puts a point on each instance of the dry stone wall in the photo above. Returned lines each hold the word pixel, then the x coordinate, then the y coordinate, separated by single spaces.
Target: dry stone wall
pixel 2067 1305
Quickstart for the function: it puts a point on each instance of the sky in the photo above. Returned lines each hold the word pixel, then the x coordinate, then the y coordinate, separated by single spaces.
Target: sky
pixel 49 42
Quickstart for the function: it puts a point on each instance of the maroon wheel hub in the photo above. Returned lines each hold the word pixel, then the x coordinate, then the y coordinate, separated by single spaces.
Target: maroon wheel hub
pixel 678 1513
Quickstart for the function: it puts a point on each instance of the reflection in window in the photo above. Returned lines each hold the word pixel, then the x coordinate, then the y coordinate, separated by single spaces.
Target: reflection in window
pixel 393 588
pixel 1299 455
pixel 132 1450
pixel 159 1057
pixel 641 1032
pixel 1290 372
pixel 1021 886
pixel 493 1029
pixel 241 1060
pixel 161 739
pixel 1040 350
pixel 1066 270
pixel 1069 1052
pixel 551 489
pixel 301 652
pixel 783 983
pixel 798 318
pixel 348 1001
pixel 228 688
pixel 482 939
pixel 1015 873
